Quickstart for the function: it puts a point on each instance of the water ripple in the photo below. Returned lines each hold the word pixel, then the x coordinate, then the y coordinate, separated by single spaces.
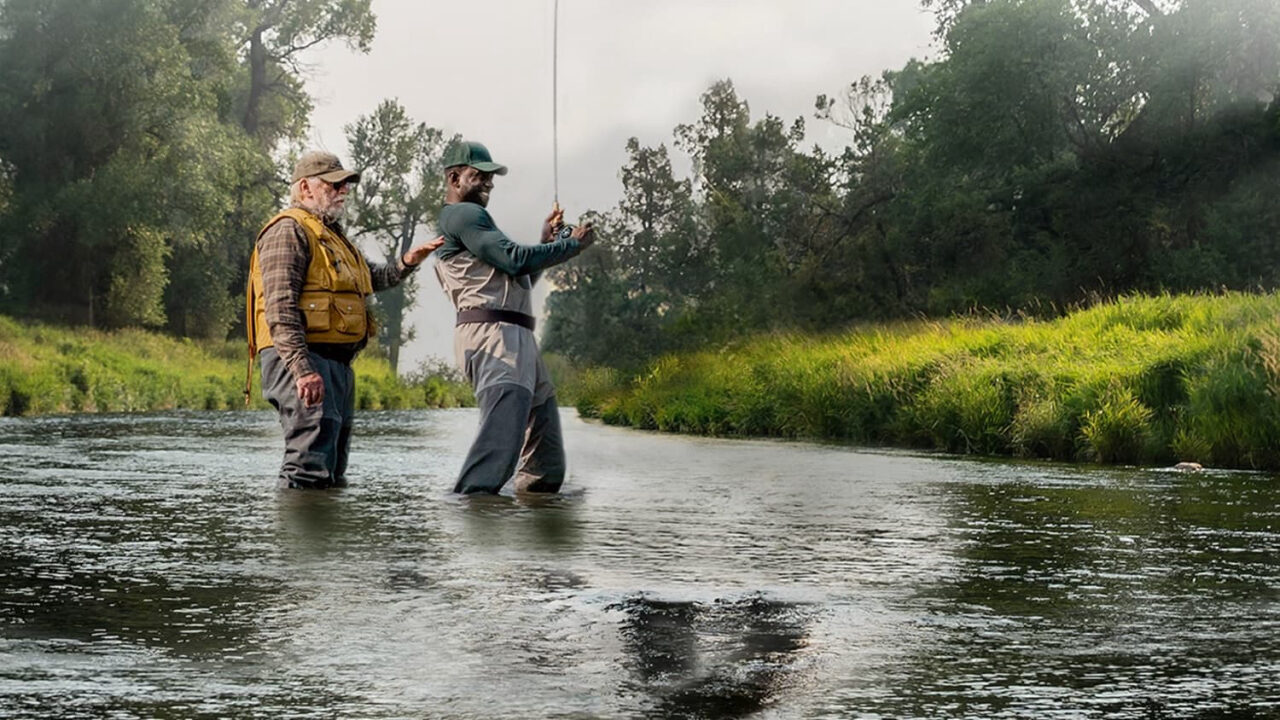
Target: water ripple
pixel 150 569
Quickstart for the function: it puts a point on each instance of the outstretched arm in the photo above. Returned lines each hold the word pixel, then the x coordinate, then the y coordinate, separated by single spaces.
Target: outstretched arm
pixel 390 274
pixel 475 229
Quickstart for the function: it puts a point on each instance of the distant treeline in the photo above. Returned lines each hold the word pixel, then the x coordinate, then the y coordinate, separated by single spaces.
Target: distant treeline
pixel 1053 153
pixel 1137 380
pixel 1057 152
pixel 49 369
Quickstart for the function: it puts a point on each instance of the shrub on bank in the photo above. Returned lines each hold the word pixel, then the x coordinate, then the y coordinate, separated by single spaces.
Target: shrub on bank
pixel 47 369
pixel 1138 380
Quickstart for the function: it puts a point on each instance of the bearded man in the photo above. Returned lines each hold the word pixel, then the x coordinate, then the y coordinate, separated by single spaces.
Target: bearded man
pixel 307 317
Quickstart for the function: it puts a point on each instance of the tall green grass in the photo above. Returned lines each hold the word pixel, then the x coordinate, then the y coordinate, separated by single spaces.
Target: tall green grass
pixel 1139 380
pixel 47 369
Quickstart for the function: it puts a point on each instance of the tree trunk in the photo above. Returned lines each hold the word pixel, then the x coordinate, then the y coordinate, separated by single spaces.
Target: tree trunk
pixel 395 323
pixel 257 83
pixel 1149 7
pixel 396 305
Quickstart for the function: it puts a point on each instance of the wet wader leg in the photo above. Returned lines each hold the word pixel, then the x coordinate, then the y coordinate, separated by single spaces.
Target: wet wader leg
pixel 310 433
pixel 345 384
pixel 504 415
pixel 542 462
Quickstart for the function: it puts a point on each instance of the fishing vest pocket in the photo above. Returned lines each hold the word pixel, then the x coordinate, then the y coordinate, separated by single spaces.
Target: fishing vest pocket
pixel 316 310
pixel 348 315
pixel 334 317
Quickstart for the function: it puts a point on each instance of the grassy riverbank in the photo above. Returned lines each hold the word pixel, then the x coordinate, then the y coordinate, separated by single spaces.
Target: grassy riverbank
pixel 47 369
pixel 1139 380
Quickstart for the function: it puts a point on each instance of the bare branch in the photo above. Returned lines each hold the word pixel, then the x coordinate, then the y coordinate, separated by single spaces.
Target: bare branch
pixel 1149 7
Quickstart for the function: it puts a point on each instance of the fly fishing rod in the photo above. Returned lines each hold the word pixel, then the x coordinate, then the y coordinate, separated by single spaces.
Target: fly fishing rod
pixel 555 102
pixel 565 230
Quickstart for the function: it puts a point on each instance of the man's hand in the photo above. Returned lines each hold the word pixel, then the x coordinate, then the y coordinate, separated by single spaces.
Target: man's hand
pixel 416 255
pixel 552 224
pixel 585 234
pixel 311 389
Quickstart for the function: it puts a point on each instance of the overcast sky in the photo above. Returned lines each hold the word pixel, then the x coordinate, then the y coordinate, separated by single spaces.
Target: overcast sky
pixel 627 68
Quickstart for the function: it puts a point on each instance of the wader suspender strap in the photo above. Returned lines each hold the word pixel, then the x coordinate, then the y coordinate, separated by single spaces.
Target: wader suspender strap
pixel 484 315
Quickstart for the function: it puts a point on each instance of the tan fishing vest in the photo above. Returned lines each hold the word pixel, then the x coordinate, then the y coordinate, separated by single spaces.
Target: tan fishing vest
pixel 333 293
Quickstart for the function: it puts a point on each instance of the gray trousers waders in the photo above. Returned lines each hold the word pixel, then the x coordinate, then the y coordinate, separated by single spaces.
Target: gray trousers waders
pixel 513 432
pixel 316 438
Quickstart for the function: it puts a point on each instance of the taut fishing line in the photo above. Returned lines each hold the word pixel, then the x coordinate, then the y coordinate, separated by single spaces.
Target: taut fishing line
pixel 565 229
pixel 555 102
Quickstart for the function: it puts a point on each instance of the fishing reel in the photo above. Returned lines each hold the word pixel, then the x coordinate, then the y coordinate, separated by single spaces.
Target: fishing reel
pixel 565 230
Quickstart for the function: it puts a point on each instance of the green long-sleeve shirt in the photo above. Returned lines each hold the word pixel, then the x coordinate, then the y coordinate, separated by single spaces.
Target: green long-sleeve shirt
pixel 469 227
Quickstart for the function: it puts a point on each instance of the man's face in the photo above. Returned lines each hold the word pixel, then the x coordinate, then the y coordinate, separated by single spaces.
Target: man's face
pixel 474 186
pixel 328 198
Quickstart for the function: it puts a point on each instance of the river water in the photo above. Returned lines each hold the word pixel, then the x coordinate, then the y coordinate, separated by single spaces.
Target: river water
pixel 150 569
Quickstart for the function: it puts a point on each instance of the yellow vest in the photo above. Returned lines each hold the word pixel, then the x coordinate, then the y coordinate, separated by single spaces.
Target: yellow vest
pixel 333 293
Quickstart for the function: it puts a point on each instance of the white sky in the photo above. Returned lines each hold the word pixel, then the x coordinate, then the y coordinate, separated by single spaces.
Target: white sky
pixel 626 68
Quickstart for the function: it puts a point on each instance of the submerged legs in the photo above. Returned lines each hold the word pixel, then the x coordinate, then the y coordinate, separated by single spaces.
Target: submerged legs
pixel 513 431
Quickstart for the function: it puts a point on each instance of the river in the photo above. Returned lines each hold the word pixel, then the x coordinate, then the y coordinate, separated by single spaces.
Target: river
pixel 150 569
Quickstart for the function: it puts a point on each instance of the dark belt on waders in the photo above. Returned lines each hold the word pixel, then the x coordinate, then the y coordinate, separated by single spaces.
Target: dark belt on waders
pixel 484 315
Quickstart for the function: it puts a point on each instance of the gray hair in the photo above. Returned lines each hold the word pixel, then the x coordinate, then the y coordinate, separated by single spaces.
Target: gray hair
pixel 295 191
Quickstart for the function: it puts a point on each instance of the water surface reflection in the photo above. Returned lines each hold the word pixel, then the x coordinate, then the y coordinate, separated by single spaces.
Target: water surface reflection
pixel 149 569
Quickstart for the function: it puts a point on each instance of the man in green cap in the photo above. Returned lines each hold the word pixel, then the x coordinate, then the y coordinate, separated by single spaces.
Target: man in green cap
pixel 489 278
pixel 307 317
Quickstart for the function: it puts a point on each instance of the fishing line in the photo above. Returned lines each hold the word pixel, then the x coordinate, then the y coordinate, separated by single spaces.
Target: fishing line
pixel 564 231
pixel 555 102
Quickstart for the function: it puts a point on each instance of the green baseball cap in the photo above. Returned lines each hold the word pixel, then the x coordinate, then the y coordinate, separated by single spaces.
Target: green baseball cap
pixel 324 165
pixel 474 154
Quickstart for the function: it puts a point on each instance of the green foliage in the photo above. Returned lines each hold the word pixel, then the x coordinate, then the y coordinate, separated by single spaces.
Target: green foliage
pixel 47 369
pixel 1117 430
pixel 965 409
pixel 1043 427
pixel 269 98
pixel 1055 154
pixel 1143 379
pixel 136 141
pixel 401 190
pixel 133 297
pixel 1231 408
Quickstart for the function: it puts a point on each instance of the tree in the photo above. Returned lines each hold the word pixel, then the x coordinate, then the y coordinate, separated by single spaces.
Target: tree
pixel 687 261
pixel 267 97
pixel 1057 151
pixel 137 147
pixel 274 34
pixel 659 240
pixel 644 275
pixel 401 191
pixel 762 203
pixel 107 130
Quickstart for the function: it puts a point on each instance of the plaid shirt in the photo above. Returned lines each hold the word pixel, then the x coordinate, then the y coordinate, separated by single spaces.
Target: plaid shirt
pixel 283 256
